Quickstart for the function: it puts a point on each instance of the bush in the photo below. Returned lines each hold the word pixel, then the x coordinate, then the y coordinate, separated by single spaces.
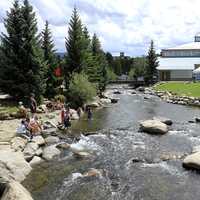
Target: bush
pixel 111 75
pixel 80 90
pixel 60 98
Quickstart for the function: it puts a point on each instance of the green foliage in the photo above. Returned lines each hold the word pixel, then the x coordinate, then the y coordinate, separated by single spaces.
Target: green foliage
pixel 111 76
pixel 117 67
pixel 138 68
pixel 152 64
pixel 23 67
pixel 52 82
pixel 80 90
pixel 75 44
pixel 61 98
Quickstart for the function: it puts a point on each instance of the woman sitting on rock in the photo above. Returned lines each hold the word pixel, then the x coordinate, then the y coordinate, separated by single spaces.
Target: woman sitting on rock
pixel 35 126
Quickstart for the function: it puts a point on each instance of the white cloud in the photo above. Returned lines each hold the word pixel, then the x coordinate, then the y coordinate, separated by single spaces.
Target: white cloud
pixel 122 25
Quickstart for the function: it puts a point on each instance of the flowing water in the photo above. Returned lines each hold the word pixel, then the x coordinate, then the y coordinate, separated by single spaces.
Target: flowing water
pixel 130 162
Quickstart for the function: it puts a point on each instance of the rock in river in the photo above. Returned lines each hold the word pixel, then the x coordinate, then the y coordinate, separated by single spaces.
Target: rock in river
pixel 52 140
pixel 164 120
pixel 50 152
pixel 192 161
pixel 36 160
pixel 38 140
pixel 15 191
pixel 153 127
pixel 30 150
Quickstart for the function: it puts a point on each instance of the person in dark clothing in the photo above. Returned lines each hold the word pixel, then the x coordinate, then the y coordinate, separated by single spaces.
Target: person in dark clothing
pixel 89 113
pixel 33 104
pixel 67 122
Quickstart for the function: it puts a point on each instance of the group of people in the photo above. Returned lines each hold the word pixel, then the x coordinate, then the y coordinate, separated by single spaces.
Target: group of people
pixel 31 126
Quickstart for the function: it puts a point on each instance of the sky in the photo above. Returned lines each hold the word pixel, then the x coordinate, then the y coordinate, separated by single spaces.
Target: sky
pixel 122 25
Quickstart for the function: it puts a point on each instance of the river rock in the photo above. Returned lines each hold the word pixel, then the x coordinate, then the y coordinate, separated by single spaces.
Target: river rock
pixel 30 150
pixel 63 146
pixel 141 89
pixel 94 105
pixel 15 163
pixel 192 161
pixel 35 161
pixel 116 92
pixel 38 140
pixel 39 152
pixel 114 100
pixel 50 152
pixel 153 127
pixel 81 154
pixel 15 191
pixel 51 140
pixel 196 149
pixel 164 120
pixel 51 131
pixel 18 143
pixel 105 101
pixel 93 173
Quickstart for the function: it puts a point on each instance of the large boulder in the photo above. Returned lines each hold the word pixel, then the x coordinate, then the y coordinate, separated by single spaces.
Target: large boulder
pixel 164 120
pixel 30 150
pixel 153 127
pixel 15 191
pixel 18 143
pixel 50 152
pixel 35 161
pixel 15 163
pixel 38 140
pixel 192 161
pixel 51 140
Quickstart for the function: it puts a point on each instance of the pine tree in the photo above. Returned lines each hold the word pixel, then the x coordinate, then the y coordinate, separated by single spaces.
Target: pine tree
pixel 75 44
pixel 33 62
pixel 52 82
pixel 11 76
pixel 152 64
pixel 101 61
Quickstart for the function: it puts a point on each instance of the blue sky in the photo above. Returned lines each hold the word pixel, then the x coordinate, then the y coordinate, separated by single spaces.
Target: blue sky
pixel 122 25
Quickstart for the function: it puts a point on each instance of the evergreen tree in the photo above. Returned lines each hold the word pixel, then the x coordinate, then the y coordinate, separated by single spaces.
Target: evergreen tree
pixel 75 44
pixel 22 59
pixel 52 82
pixel 11 76
pixel 101 62
pixel 152 64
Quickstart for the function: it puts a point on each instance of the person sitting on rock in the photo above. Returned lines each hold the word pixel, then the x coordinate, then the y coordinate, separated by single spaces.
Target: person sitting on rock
pixel 35 126
pixel 23 130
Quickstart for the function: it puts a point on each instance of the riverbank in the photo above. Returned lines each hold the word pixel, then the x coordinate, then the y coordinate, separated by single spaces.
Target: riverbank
pixel 18 155
pixel 182 93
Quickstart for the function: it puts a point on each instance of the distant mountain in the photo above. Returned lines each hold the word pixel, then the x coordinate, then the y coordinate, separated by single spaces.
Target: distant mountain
pixel 61 54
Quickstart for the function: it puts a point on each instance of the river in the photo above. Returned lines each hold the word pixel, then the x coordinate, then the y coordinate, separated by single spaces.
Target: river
pixel 131 162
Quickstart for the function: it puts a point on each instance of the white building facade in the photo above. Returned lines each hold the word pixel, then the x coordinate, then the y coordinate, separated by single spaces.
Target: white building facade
pixel 178 63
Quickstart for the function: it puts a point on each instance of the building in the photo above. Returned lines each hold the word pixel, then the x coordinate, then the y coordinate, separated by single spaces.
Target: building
pixel 178 63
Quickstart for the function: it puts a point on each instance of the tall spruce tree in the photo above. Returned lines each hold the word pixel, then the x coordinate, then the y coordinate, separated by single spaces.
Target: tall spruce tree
pixel 23 69
pixel 52 81
pixel 152 64
pixel 75 46
pixel 11 76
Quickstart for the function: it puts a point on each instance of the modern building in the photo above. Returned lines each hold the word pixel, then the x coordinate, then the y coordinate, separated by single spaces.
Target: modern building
pixel 178 63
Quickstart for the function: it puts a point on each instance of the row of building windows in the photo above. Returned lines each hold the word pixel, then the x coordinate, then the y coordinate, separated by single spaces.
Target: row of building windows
pixel 180 53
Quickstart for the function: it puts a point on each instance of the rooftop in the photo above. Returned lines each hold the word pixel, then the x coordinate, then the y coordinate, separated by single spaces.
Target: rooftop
pixel 188 46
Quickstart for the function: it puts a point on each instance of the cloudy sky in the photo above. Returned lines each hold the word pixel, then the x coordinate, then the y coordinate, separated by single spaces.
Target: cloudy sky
pixel 122 25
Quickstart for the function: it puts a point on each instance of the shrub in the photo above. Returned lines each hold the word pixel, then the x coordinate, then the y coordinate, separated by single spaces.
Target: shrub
pixel 80 90
pixel 60 98
pixel 111 75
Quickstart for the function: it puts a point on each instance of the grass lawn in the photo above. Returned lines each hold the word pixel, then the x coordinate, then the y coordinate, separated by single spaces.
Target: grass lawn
pixel 180 88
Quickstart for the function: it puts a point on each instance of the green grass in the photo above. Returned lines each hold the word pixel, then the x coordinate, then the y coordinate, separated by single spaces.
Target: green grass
pixel 180 88
pixel 8 109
